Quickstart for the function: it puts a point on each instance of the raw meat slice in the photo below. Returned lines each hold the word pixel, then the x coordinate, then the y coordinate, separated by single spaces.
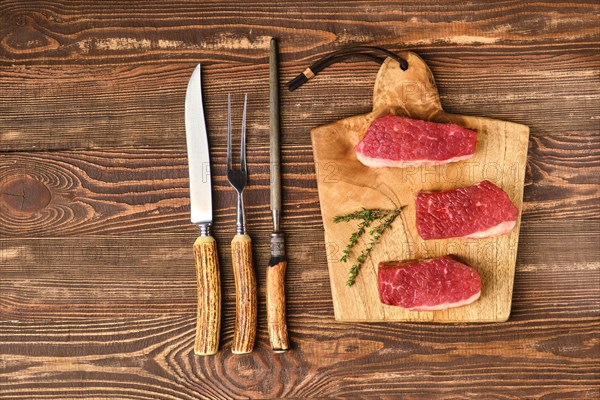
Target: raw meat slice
pixel 393 141
pixel 428 285
pixel 478 211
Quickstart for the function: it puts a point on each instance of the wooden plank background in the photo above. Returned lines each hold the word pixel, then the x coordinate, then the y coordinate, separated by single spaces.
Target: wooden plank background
pixel 97 285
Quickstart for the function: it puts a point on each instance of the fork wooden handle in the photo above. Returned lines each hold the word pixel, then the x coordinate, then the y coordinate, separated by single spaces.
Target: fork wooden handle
pixel 208 322
pixel 278 334
pixel 245 295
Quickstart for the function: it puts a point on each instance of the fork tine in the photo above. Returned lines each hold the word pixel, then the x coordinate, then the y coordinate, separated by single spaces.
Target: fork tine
pixel 243 166
pixel 228 131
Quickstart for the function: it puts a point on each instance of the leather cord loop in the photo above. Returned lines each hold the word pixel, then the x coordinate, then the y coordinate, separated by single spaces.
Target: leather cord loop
pixel 373 53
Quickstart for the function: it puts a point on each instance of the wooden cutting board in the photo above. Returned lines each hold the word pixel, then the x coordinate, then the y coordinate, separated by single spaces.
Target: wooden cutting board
pixel 345 185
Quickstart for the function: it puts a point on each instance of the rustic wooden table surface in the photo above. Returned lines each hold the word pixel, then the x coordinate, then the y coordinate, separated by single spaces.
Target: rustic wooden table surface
pixel 97 289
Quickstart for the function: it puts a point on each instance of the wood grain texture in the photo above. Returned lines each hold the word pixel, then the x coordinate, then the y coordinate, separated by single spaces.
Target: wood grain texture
pixel 146 191
pixel 208 277
pixel 148 321
pixel 106 71
pixel 244 333
pixel 106 102
pixel 275 301
pixel 97 280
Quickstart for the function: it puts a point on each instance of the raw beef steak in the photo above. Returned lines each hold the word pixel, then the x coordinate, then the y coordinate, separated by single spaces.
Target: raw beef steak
pixel 478 211
pixel 393 141
pixel 427 285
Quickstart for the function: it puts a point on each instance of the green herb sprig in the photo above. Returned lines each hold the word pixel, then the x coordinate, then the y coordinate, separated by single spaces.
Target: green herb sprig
pixel 367 218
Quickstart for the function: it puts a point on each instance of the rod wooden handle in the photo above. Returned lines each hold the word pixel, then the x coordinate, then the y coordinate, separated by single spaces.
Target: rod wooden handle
pixel 276 306
pixel 244 332
pixel 209 296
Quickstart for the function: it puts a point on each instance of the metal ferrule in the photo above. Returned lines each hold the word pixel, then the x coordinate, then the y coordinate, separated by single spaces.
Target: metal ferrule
pixel 240 224
pixel 204 229
pixel 277 244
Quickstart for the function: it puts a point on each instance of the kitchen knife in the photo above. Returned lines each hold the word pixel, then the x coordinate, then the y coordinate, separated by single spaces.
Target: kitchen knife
pixel 277 264
pixel 205 249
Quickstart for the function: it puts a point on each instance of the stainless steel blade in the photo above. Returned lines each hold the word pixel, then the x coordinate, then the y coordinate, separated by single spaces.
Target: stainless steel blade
pixel 197 149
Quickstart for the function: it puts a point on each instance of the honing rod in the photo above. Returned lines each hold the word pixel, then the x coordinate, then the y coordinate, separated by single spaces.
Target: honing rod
pixel 277 264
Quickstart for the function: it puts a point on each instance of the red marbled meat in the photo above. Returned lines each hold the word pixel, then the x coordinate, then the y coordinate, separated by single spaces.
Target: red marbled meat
pixel 393 141
pixel 428 285
pixel 478 211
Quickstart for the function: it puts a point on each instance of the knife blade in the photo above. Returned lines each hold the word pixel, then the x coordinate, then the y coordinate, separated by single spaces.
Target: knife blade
pixel 205 250
pixel 198 153
pixel 278 335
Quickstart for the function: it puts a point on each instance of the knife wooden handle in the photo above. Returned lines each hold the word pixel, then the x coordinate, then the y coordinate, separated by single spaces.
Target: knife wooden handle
pixel 245 295
pixel 209 296
pixel 276 305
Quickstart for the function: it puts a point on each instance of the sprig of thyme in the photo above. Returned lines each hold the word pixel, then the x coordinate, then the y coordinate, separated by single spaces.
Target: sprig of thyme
pixel 362 227
pixel 363 214
pixel 367 218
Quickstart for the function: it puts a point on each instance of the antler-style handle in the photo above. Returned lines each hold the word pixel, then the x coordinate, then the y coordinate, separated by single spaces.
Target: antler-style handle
pixel 245 295
pixel 276 306
pixel 209 296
